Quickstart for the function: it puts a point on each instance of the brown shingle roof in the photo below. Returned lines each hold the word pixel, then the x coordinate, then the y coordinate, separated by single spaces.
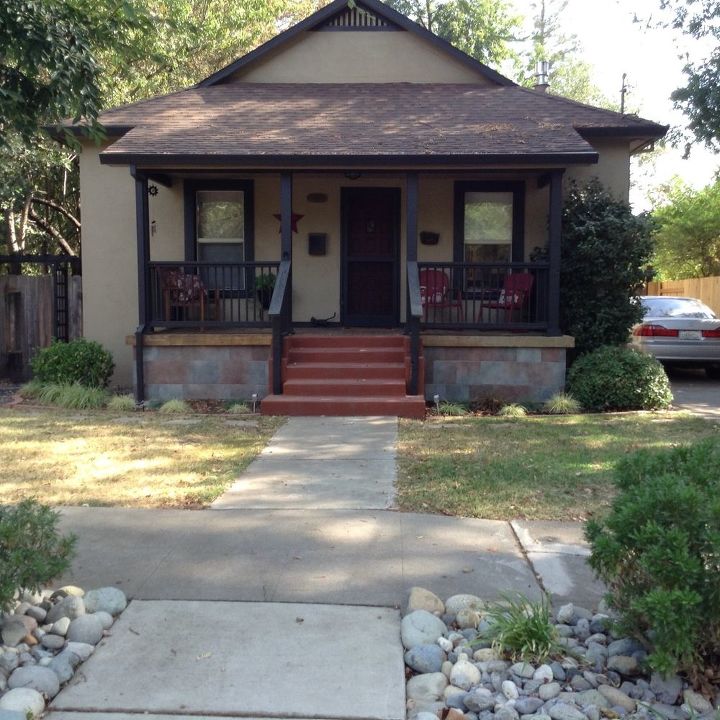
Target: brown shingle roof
pixel 302 121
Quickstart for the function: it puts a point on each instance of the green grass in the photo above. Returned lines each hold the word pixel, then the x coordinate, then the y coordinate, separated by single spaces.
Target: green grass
pixel 121 403
pixel 101 458
pixel 72 397
pixel 537 467
pixel 174 407
pixel 239 408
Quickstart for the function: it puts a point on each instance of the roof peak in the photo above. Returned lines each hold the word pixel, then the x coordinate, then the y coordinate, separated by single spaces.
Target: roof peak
pixel 384 17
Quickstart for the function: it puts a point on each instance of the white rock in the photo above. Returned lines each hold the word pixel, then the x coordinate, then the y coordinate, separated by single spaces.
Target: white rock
pixel 464 674
pixel 61 626
pixel 544 673
pixel 426 687
pixel 467 618
pixel 422 599
pixel 510 690
pixel 108 599
pixel 456 603
pixel 697 702
pixel 445 644
pixel 419 628
pixel 446 669
pixel 24 700
pixel 485 655
pixel 566 614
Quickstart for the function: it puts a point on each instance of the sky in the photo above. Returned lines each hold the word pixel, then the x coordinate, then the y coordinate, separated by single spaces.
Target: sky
pixel 613 44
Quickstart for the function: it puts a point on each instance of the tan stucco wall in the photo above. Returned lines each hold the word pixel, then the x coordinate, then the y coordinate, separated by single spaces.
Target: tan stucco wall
pixel 359 57
pixel 109 258
pixel 612 169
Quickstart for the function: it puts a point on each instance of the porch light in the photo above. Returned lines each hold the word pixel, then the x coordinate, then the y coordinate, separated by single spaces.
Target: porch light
pixel 436 400
pixel 254 398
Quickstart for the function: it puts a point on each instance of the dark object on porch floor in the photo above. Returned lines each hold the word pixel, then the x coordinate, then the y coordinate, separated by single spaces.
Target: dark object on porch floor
pixel 322 322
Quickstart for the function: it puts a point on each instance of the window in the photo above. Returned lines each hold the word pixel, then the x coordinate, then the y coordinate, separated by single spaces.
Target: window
pixel 488 226
pixel 218 230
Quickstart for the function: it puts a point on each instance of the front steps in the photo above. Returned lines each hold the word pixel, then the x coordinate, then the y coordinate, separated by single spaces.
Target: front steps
pixel 346 375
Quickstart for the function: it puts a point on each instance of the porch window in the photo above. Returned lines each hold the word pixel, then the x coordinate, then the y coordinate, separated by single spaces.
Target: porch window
pixel 488 226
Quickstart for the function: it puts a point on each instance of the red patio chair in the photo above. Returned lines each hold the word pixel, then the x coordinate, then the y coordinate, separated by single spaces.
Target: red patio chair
pixel 435 292
pixel 515 290
pixel 183 291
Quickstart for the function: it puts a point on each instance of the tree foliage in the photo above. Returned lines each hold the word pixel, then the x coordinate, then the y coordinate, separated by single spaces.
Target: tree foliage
pixel 687 235
pixel 605 249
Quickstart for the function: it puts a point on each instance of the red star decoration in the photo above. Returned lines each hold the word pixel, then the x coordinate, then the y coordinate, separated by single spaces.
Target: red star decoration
pixel 296 217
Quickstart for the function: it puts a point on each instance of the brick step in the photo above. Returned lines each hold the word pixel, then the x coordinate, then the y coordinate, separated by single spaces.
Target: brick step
pixel 346 355
pixel 297 406
pixel 356 387
pixel 345 371
pixel 348 341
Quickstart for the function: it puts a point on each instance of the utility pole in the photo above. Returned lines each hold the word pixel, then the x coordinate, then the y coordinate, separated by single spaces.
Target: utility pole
pixel 623 92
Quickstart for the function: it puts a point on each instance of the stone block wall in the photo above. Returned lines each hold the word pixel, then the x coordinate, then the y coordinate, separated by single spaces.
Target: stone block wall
pixel 206 372
pixel 512 374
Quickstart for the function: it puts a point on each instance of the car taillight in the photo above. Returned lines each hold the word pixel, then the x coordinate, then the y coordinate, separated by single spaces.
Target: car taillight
pixel 711 333
pixel 650 330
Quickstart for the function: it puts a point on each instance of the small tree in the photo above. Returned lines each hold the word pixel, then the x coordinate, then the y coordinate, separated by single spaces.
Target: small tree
pixel 604 251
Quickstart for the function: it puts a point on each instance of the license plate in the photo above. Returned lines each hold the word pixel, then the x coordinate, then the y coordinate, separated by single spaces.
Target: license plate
pixel 690 335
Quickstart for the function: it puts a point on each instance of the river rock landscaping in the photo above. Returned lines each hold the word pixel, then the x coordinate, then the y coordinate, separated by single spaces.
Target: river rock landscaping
pixel 45 637
pixel 455 674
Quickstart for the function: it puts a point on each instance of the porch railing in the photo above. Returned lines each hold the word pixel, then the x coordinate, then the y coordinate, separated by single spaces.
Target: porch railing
pixel 281 318
pixel 484 296
pixel 414 317
pixel 205 294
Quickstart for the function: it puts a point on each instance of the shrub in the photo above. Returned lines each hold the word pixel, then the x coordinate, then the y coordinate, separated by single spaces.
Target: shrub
pixel 513 410
pixel 174 407
pixel 121 403
pixel 80 361
pixel 619 378
pixel 522 629
pixel 32 550
pixel 658 551
pixel 604 252
pixel 73 397
pixel 562 404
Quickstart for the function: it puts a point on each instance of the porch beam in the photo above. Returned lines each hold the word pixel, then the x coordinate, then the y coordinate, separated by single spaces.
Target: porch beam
pixel 142 229
pixel 286 183
pixel 554 238
pixel 161 179
pixel 411 220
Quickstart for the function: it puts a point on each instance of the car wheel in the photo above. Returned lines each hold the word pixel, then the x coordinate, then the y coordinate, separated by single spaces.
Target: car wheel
pixel 713 371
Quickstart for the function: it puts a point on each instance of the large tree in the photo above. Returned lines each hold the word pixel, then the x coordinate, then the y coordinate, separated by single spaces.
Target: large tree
pixel 700 98
pixel 687 238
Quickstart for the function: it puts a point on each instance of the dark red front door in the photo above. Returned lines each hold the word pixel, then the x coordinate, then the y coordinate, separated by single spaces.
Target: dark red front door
pixel 371 250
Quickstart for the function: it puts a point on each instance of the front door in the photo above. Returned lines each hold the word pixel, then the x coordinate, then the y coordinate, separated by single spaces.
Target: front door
pixel 371 256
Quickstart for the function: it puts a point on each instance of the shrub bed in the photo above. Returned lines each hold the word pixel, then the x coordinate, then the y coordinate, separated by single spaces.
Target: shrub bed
pixel 81 361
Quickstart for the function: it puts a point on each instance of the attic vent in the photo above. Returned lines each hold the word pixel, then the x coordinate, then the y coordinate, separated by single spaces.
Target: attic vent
pixel 357 18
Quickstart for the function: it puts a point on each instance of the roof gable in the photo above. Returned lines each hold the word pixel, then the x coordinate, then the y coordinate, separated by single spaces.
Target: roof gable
pixel 340 15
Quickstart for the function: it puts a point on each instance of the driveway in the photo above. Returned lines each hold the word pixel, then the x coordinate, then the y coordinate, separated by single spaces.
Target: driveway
pixel 696 392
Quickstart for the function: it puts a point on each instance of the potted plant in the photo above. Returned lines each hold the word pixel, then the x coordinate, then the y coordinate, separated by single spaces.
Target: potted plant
pixel 264 285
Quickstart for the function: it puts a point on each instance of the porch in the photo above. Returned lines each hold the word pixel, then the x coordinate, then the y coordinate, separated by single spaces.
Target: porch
pixel 391 256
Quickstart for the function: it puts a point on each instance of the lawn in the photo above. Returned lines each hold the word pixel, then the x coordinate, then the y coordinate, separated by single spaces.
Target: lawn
pixel 536 468
pixel 132 460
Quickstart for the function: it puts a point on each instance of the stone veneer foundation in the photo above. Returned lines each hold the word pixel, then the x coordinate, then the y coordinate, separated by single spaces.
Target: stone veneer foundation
pixel 458 368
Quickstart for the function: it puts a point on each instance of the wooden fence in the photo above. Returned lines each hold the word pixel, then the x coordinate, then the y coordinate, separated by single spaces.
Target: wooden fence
pixel 28 319
pixel 706 289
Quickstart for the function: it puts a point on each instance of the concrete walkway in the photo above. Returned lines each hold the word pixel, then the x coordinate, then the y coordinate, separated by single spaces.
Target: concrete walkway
pixel 321 463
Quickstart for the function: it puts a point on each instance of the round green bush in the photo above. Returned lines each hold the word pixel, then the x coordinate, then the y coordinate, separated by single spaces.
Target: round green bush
pixel 81 361
pixel 619 378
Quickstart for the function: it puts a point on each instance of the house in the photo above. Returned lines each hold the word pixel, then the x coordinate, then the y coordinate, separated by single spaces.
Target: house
pixel 351 218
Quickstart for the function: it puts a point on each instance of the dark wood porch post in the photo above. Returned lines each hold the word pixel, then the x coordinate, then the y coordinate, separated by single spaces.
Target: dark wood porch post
pixel 286 182
pixel 554 235
pixel 412 216
pixel 411 250
pixel 142 225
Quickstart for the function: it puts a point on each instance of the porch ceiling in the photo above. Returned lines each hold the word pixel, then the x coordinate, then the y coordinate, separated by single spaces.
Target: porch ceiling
pixel 302 125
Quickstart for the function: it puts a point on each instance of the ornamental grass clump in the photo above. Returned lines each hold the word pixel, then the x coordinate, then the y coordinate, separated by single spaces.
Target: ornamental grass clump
pixel 32 551
pixel 513 410
pixel 121 403
pixel 562 404
pixel 522 629
pixel 72 397
pixel 619 378
pixel 174 407
pixel 658 551
pixel 451 409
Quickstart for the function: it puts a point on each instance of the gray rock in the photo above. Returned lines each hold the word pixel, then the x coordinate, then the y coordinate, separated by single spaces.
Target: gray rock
pixel 422 599
pixel 671 712
pixel 579 683
pixel 582 630
pixel 420 628
pixel 564 630
pixel 624 646
pixel 498 666
pixel 70 607
pixel 617 698
pixel 464 674
pixel 558 671
pixel 507 713
pixel 52 641
pixel 479 699
pixel 454 697
pixel 467 618
pixel 61 626
pixel 697 702
pixel 62 667
pixel 531 686
pixel 667 690
pixel 619 710
pixel 544 673
pixel 427 687
pixel 25 700
pixel 566 614
pixel 549 691
pixel 624 664
pixel 108 599
pixel 564 711
pixel 80 649
pixel 36 612
pixel 86 629
pixel 8 662
pixel 582 613
pixel 456 603
pixel 510 690
pixel 528 705
pixel 523 670
pixel 592 711
pixel 600 623
pixel 42 679
pixel 105 618
pixel 425 658
pixel 590 697
pixel 591 677
pixel 13 631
